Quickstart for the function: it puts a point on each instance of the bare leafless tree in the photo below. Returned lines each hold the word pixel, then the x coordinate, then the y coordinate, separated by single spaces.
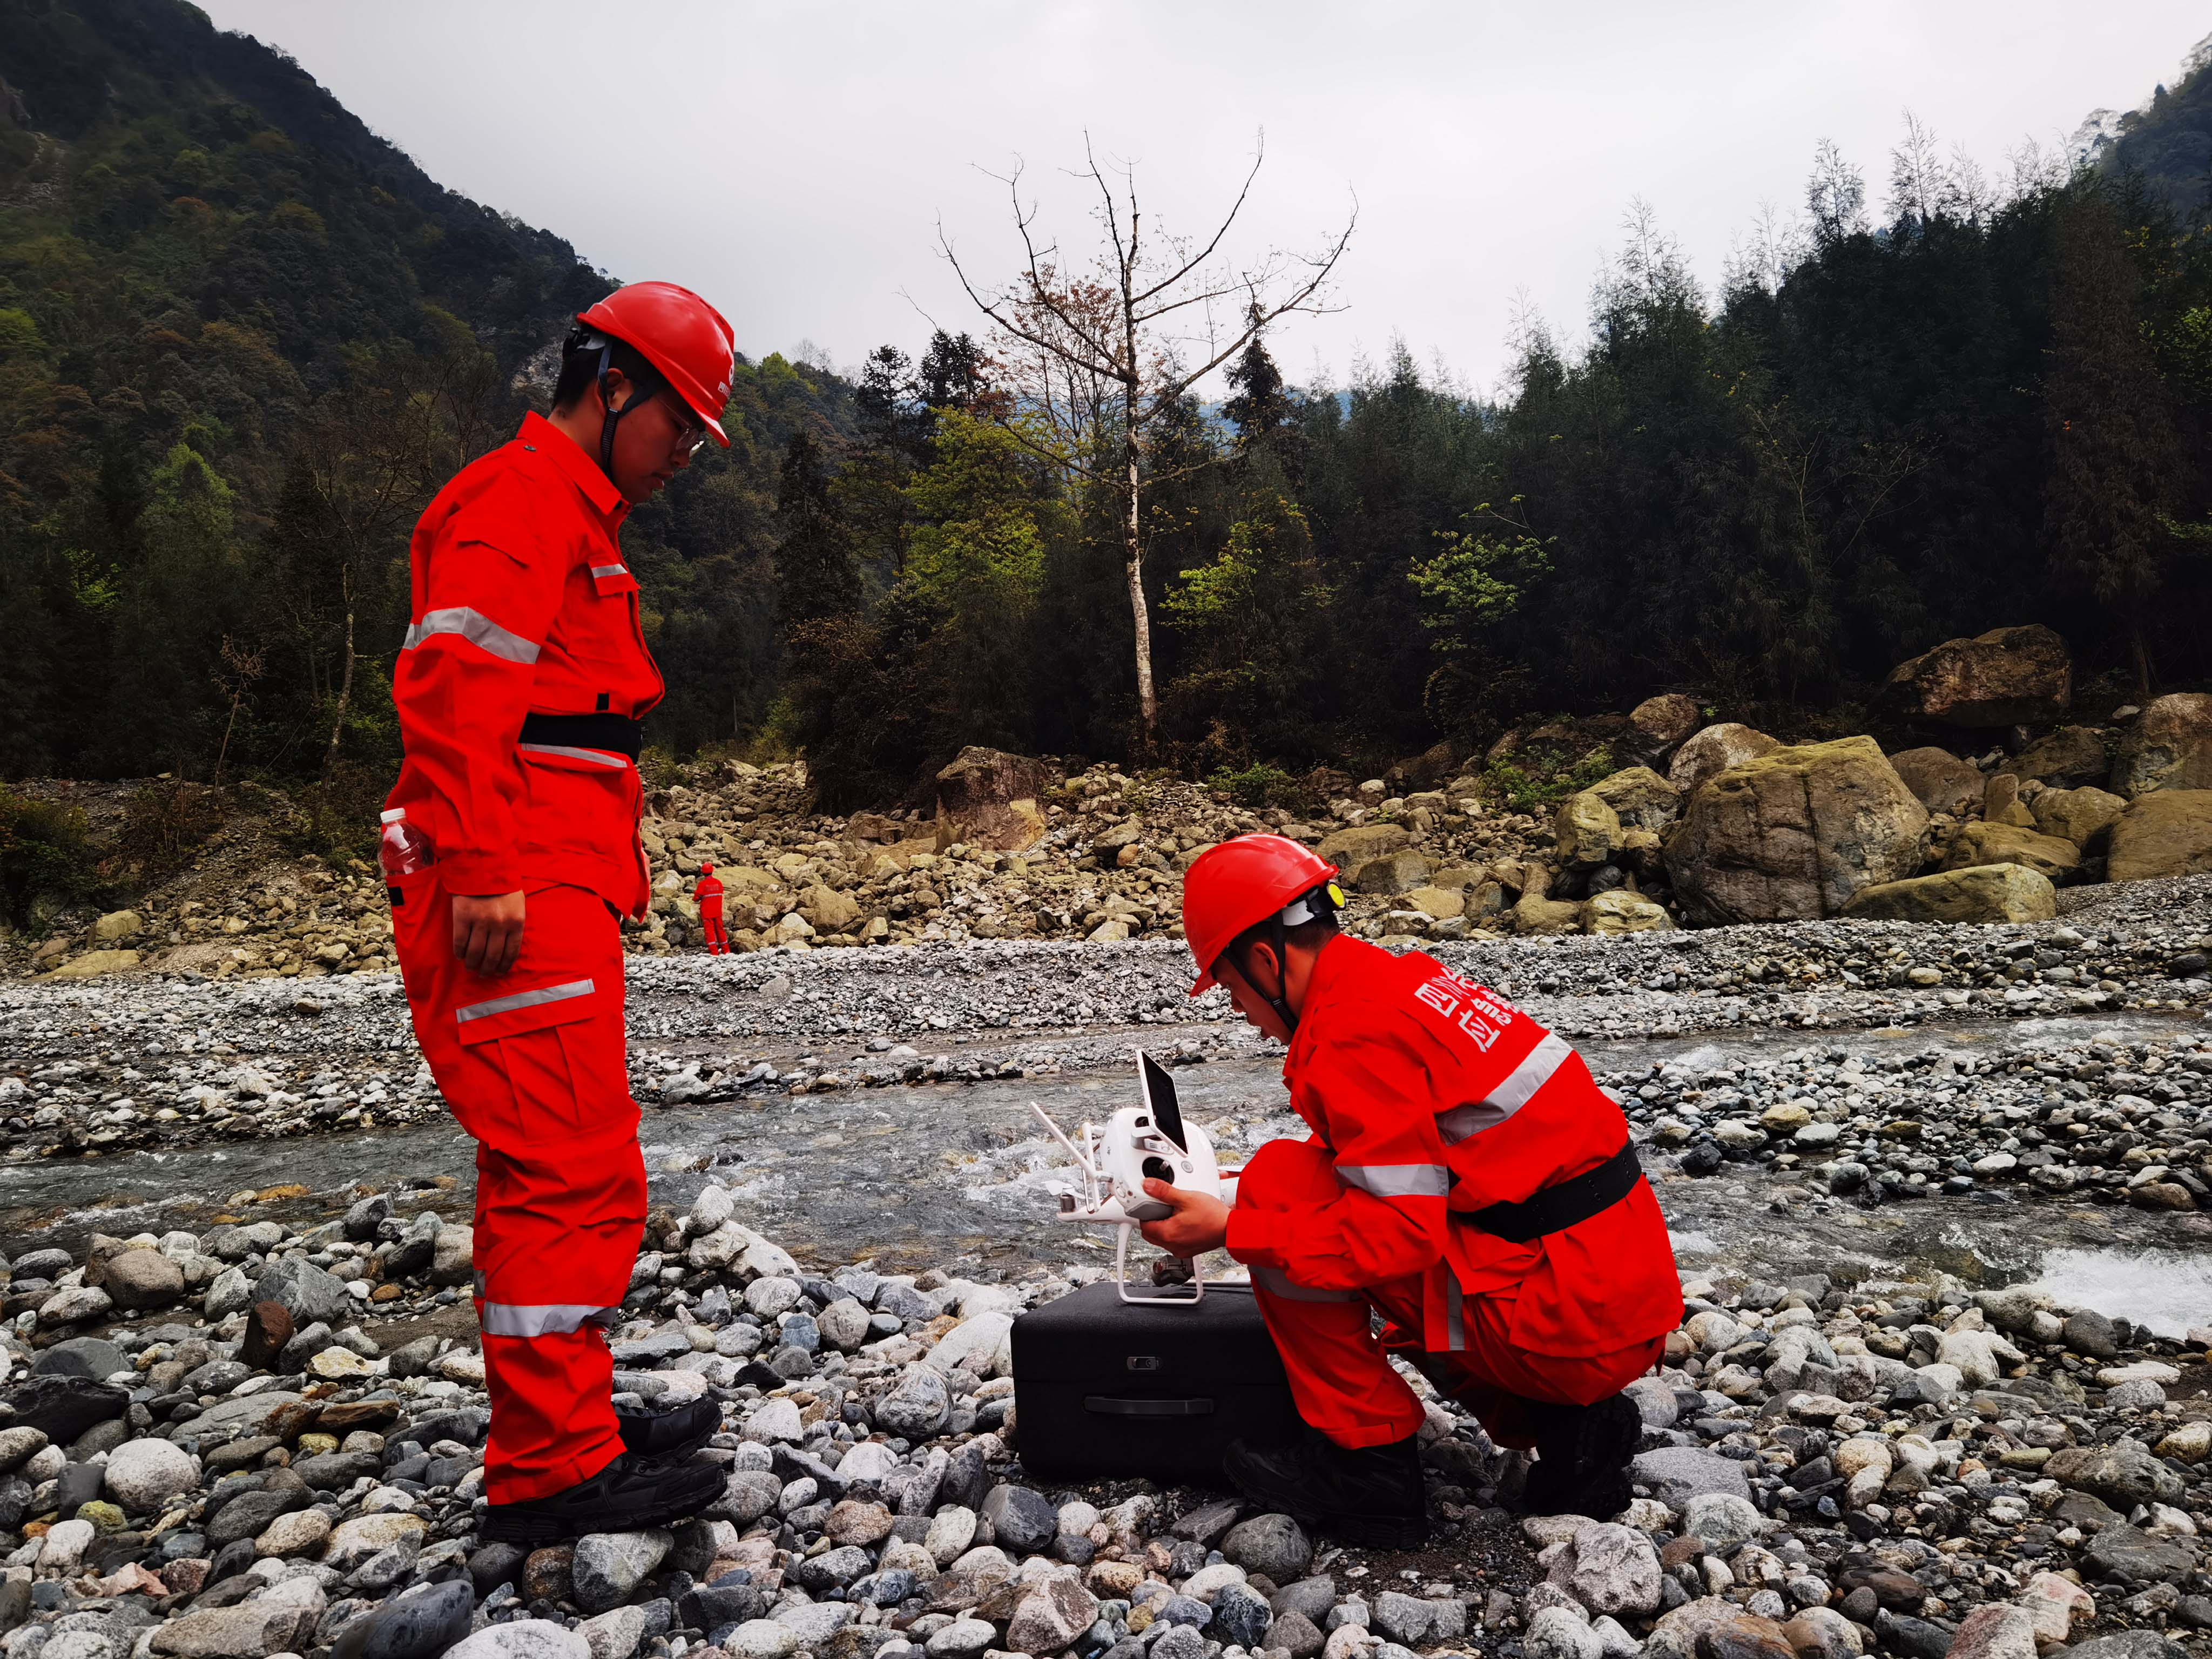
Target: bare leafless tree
pixel 240 668
pixel 1097 359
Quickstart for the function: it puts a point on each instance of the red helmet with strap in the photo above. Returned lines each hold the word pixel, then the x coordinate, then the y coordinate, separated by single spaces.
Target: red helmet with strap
pixel 686 339
pixel 1241 883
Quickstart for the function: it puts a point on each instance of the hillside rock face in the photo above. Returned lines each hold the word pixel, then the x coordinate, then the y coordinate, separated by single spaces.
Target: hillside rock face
pixel 1791 835
pixel 987 797
pixel 2168 747
pixel 2007 676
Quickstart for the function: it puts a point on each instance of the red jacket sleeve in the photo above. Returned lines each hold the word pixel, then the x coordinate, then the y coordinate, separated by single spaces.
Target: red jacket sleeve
pixel 1373 1105
pixel 464 679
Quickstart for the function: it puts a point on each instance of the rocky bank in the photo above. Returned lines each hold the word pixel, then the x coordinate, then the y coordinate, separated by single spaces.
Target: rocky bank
pixel 250 1449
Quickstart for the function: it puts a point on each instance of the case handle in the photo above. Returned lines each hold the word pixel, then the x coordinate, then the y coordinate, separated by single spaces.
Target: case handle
pixel 1108 1405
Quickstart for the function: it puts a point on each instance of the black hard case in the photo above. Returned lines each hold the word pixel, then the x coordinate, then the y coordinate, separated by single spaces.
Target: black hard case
pixel 1105 1388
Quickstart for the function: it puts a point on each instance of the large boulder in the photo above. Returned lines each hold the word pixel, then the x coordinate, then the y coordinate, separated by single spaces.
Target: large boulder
pixel 1348 850
pixel 1709 753
pixel 2072 755
pixel 1620 911
pixel 1393 873
pixel 1586 828
pixel 1939 779
pixel 2080 816
pixel 2167 833
pixel 987 797
pixel 2007 676
pixel 1792 834
pixel 1533 913
pixel 828 911
pixel 1640 798
pixel 2169 746
pixel 2053 859
pixel 1660 725
pixel 93 964
pixel 1985 893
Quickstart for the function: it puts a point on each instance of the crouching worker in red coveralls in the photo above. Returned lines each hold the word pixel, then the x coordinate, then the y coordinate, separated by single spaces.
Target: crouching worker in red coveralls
pixel 1465 1179
pixel 520 688
pixel 707 893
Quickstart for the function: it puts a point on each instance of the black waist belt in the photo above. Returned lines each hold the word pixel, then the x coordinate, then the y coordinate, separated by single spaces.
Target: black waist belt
pixel 1555 1209
pixel 615 733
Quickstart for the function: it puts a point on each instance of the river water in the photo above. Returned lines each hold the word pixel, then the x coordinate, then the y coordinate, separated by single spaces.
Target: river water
pixel 959 1176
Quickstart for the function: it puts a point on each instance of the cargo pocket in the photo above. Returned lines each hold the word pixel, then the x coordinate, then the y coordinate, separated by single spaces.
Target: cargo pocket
pixel 579 800
pixel 521 1036
pixel 513 1012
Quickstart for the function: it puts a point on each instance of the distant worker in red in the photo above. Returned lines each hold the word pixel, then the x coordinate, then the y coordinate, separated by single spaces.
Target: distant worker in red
pixel 520 688
pixel 1466 1178
pixel 708 892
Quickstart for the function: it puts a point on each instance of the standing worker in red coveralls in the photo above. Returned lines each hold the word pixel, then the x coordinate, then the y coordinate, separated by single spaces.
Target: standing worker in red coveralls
pixel 1465 1179
pixel 707 893
pixel 520 690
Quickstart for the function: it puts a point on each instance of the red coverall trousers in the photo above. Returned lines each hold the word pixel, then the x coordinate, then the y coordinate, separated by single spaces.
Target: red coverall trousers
pixel 1344 1385
pixel 710 923
pixel 532 1065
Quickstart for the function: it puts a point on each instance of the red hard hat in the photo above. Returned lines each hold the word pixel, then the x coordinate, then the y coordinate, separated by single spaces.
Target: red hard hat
pixel 706 869
pixel 681 335
pixel 1238 885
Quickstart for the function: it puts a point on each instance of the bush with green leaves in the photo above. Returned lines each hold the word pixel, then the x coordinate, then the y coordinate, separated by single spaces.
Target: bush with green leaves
pixel 1540 776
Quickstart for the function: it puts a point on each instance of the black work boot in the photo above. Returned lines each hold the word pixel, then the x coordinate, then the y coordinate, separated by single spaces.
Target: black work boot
pixel 1369 1495
pixel 629 1495
pixel 675 1432
pixel 1582 1457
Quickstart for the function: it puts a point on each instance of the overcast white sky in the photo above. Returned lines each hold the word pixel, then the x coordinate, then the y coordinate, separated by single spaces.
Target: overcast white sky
pixel 791 160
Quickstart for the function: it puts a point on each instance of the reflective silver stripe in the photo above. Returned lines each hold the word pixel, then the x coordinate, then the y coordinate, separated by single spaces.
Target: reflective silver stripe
pixel 1455 1313
pixel 1276 1282
pixel 1463 1123
pixel 475 627
pixel 1398 1180
pixel 574 987
pixel 479 1278
pixel 1530 1075
pixel 610 571
pixel 541 1319
pixel 597 758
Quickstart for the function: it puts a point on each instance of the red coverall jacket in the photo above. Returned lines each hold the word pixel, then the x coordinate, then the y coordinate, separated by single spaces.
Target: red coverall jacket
pixel 1432 1094
pixel 523 604
pixel 708 892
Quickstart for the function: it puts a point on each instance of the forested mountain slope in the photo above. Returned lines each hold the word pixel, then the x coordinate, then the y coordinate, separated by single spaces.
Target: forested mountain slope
pixel 2168 140
pixel 242 340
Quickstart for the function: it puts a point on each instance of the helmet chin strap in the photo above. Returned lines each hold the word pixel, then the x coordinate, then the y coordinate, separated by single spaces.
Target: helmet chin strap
pixel 1322 902
pixel 1278 1001
pixel 639 397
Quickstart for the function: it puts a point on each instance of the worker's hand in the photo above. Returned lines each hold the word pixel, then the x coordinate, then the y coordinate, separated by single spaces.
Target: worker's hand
pixel 487 931
pixel 1200 1223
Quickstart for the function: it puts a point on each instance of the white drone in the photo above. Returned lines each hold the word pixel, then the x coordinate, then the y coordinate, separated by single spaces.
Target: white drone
pixel 1138 1143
